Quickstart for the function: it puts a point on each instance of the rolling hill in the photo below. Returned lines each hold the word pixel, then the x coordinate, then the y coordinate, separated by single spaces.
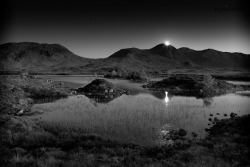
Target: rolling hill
pixel 55 58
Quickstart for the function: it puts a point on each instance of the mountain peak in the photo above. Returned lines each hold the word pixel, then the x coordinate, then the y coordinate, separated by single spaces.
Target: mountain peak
pixel 162 46
pixel 163 49
pixel 124 52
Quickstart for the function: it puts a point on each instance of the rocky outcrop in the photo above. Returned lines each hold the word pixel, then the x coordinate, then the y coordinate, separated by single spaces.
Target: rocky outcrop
pixel 101 90
pixel 200 86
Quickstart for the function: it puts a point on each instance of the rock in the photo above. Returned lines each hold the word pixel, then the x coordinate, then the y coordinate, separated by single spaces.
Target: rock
pixel 96 86
pixel 194 134
pixel 232 115
pixel 73 92
pixel 20 112
pixel 115 159
pixel 182 132
pixel 90 158
pixel 207 130
pixel 101 90
pixel 225 115
pixel 210 119
pixel 218 113
pixel 19 151
pixel 23 102
pixel 211 115
pixel 30 101
pixel 173 135
pixel 216 119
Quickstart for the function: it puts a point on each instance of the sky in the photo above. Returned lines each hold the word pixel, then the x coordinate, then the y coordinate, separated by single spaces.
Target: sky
pixel 97 29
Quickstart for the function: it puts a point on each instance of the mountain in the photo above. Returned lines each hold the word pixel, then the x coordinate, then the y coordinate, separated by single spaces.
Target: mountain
pixel 160 57
pixel 40 57
pixel 212 58
pixel 55 58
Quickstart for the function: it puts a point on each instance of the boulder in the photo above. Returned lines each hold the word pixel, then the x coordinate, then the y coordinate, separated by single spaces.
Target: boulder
pixel 232 115
pixel 182 132
pixel 216 119
pixel 25 102
pixel 194 134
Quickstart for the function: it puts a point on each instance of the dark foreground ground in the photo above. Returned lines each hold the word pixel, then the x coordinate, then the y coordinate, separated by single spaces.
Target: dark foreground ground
pixel 25 141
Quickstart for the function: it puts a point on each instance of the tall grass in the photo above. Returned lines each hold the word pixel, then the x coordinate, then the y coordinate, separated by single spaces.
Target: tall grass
pixel 138 118
pixel 128 119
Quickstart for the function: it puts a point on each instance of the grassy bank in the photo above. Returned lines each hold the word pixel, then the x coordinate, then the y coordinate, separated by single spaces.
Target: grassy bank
pixel 18 93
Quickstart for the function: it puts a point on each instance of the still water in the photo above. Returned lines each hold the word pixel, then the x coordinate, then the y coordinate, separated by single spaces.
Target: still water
pixel 140 116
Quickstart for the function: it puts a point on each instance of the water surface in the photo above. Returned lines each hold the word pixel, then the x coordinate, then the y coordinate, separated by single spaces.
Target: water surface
pixel 139 117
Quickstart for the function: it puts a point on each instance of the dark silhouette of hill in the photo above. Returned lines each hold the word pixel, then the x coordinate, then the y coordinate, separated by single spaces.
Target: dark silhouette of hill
pixel 213 58
pixel 160 57
pixel 40 57
pixel 55 58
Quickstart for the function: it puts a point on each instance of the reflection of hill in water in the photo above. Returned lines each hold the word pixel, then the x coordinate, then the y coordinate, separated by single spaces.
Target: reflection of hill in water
pixel 106 98
pixel 137 118
pixel 134 119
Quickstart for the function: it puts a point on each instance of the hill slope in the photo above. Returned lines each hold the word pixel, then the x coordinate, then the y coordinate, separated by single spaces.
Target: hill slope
pixel 40 57
pixel 213 58
pixel 160 57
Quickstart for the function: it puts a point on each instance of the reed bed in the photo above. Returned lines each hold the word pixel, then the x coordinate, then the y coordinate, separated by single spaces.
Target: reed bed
pixel 137 119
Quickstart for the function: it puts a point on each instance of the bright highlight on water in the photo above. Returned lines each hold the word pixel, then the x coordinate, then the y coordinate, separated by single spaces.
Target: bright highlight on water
pixel 166 98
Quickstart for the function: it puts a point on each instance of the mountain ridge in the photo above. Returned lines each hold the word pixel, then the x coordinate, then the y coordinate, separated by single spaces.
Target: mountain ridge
pixel 57 58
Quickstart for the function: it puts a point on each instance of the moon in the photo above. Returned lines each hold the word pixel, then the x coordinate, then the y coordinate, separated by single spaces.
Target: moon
pixel 167 43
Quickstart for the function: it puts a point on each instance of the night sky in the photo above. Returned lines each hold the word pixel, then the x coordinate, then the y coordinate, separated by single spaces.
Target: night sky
pixel 97 29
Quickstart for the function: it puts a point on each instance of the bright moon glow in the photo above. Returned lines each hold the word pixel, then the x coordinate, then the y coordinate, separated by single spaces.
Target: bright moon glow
pixel 167 43
pixel 166 98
